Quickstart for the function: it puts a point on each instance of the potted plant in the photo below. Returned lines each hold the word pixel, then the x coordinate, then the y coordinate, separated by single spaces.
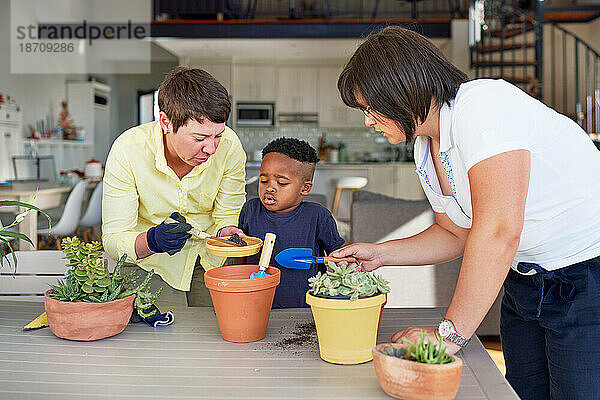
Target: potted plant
pixel 90 303
pixel 8 232
pixel 242 305
pixel 346 305
pixel 418 371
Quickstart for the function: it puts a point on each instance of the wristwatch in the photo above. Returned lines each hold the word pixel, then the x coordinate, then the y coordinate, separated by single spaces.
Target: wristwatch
pixel 447 331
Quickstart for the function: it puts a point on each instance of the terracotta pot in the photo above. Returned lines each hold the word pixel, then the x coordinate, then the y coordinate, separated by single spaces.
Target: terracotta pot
pixel 347 329
pixel 242 305
pixel 88 321
pixel 411 380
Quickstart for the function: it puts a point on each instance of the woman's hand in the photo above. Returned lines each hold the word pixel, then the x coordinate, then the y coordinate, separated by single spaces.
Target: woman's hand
pixel 230 230
pixel 413 334
pixel 367 255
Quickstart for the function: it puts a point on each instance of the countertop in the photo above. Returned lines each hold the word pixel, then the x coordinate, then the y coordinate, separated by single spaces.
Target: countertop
pixel 190 360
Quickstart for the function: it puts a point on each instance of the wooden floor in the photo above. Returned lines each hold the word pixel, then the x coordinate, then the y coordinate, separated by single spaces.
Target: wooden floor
pixel 494 348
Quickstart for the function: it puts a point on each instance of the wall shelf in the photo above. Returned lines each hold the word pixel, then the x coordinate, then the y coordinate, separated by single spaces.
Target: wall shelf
pixel 52 142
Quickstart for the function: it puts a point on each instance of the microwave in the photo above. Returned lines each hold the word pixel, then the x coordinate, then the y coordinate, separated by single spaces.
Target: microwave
pixel 255 114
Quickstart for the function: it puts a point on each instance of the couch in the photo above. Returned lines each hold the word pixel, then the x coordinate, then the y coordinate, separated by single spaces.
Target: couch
pixel 377 218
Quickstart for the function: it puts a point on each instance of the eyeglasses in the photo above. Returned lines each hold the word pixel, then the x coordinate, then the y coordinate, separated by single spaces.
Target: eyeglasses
pixel 369 114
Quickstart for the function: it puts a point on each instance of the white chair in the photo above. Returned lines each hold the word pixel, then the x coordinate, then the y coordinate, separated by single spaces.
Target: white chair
pixel 346 183
pixel 93 214
pixel 35 271
pixel 69 219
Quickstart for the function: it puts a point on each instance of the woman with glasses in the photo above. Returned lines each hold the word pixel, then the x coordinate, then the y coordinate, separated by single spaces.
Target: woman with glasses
pixel 506 178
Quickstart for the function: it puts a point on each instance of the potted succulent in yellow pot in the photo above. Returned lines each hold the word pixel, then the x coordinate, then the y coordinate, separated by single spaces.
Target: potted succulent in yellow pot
pixel 421 371
pixel 346 305
pixel 90 303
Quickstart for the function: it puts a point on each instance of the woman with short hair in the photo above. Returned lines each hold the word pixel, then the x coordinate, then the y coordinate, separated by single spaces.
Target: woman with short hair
pixel 508 180
pixel 187 165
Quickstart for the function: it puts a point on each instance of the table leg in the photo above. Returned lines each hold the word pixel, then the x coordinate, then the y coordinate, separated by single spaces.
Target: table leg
pixel 28 227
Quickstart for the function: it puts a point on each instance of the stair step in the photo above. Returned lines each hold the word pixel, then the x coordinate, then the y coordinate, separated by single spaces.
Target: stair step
pixel 497 63
pixel 516 17
pixel 493 48
pixel 571 15
pixel 510 32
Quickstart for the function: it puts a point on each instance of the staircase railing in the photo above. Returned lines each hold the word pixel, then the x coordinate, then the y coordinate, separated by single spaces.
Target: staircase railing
pixel 540 56
pixel 577 57
pixel 308 9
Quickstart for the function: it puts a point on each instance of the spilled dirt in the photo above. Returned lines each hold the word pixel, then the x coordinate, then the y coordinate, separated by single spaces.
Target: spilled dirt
pixel 299 336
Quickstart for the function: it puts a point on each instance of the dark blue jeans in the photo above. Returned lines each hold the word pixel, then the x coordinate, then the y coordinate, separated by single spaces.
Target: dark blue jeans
pixel 550 331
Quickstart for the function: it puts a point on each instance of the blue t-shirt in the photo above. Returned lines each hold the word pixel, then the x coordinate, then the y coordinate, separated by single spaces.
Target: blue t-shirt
pixel 309 225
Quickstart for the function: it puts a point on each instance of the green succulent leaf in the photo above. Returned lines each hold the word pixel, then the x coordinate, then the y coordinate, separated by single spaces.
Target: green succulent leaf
pixel 103 282
pixel 427 351
pixel 87 288
pixel 347 282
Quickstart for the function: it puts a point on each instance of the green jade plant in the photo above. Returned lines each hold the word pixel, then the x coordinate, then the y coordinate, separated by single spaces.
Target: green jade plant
pixel 88 280
pixel 346 282
pixel 423 352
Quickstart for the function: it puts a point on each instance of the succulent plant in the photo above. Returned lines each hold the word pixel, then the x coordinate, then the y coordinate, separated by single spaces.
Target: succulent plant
pixel 67 290
pixel 398 352
pixel 427 352
pixel 344 281
pixel 88 280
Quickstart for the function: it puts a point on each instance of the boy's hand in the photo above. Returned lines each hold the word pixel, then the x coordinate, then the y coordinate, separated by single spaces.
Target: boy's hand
pixel 230 230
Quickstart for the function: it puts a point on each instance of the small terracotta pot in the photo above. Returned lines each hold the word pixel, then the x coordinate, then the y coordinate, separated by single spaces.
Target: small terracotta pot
pixel 242 305
pixel 88 321
pixel 411 380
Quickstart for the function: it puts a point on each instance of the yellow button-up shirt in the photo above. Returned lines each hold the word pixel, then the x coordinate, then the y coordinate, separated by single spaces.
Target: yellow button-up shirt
pixel 140 191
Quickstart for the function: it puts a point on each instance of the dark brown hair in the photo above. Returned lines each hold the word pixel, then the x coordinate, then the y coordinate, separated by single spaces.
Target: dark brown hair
pixel 191 93
pixel 398 72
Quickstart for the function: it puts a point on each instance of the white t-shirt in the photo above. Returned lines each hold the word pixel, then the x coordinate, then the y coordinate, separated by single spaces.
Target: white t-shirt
pixel 562 211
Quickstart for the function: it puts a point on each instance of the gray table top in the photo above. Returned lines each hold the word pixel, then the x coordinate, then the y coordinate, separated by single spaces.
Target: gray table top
pixel 190 360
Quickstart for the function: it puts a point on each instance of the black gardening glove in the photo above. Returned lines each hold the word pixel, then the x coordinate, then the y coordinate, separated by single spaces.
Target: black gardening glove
pixel 154 317
pixel 169 238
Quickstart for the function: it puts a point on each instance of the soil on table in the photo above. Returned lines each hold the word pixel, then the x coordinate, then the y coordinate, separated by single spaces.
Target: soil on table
pixel 302 337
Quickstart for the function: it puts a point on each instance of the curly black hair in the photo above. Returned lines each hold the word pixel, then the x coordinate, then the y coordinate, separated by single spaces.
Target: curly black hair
pixel 295 149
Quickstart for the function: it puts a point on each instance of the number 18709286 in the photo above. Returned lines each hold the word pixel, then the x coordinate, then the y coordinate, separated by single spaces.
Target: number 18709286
pixel 42 47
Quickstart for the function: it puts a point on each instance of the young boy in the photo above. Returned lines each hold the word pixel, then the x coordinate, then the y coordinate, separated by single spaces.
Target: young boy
pixel 286 174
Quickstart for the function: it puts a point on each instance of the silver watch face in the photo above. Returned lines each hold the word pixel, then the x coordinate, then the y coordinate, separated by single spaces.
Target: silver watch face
pixel 445 328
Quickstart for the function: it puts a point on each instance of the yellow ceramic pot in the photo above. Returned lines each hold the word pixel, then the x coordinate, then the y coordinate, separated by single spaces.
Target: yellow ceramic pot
pixel 347 329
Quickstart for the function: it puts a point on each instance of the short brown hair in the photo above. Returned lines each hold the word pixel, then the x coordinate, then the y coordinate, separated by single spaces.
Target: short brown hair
pixel 398 72
pixel 191 93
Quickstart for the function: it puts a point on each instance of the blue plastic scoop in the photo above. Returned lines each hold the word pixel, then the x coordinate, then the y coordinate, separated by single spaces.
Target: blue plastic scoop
pixel 302 258
pixel 265 256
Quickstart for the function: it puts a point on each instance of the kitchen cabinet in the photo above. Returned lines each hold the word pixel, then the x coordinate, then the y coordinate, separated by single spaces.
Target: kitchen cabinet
pixel 297 90
pixel 89 104
pixel 255 82
pixel 294 88
pixel 11 142
pixel 332 110
pixel 221 71
pixel 406 182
